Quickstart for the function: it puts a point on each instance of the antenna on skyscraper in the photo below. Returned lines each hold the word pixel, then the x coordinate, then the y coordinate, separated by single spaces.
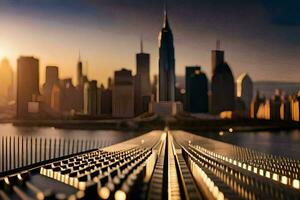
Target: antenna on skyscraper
pixel 79 56
pixel 218 45
pixel 166 22
pixel 142 46
pixel 87 68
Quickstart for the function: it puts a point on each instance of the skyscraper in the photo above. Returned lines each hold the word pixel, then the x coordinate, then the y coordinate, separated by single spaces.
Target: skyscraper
pixel 81 80
pixel 166 62
pixel 222 90
pixel 27 84
pixel 245 89
pixel 106 100
pixel 51 79
pixel 123 94
pixel 6 86
pixel 196 85
pixel 90 98
pixel 63 96
pixel 79 71
pixel 142 82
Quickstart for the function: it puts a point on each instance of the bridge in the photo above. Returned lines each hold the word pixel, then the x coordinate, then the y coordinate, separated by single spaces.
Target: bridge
pixel 158 165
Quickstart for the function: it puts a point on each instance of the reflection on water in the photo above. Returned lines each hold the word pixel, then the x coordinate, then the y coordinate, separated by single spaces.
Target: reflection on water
pixel 22 146
pixel 283 143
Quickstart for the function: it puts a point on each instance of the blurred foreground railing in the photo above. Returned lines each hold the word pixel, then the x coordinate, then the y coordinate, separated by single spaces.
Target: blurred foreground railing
pixel 21 151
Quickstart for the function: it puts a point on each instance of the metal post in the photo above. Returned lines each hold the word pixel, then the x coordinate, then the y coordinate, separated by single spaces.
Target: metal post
pixel 14 153
pixel 31 150
pixel 10 152
pixel 35 151
pixel 6 159
pixel 59 143
pixel 77 146
pixel 64 148
pixel 73 143
pixel 45 149
pixel 40 149
pixel 50 153
pixel 54 147
pixel 68 146
pixel 2 154
pixel 26 150
pixel 18 151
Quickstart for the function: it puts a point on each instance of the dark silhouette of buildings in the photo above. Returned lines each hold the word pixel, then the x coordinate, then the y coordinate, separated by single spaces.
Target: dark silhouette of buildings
pixel 123 94
pixel 142 82
pixel 64 97
pixel 52 78
pixel 166 62
pixel 106 100
pixel 91 98
pixel 196 94
pixel 222 90
pixel 27 87
pixel 245 90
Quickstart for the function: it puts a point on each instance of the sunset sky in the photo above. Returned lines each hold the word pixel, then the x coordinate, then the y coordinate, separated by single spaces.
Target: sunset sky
pixel 261 37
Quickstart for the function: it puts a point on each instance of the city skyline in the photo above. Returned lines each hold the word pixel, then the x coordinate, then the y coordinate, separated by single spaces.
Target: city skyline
pixel 108 47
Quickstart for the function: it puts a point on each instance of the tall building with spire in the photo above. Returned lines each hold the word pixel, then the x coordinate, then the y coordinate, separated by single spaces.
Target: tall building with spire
pixel 79 71
pixel 166 62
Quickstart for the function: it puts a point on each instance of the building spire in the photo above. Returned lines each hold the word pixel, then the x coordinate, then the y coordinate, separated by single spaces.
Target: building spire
pixel 142 46
pixel 166 21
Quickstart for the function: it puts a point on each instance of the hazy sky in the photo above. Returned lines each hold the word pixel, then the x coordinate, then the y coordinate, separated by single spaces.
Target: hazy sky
pixel 261 37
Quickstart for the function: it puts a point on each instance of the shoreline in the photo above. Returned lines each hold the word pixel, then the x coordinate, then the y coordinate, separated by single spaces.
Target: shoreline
pixel 189 125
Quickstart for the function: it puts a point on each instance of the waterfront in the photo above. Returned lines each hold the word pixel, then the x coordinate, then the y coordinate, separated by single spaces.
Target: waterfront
pixel 280 143
pixel 22 146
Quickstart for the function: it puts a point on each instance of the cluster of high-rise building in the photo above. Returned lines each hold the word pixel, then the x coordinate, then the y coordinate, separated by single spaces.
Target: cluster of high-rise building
pixel 279 107
pixel 125 96
pixel 128 95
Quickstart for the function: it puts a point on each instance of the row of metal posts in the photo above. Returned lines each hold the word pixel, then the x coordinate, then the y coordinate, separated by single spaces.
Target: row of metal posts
pixel 19 151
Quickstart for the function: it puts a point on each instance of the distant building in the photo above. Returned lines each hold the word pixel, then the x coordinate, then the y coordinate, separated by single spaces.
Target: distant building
pixel 165 109
pixel 245 90
pixel 256 102
pixel 51 79
pixel 91 98
pixel 285 108
pixel 275 103
pixel 79 72
pixel 222 96
pixel 110 83
pixel 217 57
pixel 142 82
pixel 81 81
pixel 154 88
pixel 63 97
pixel 27 86
pixel 6 86
pixel 295 107
pixel 105 101
pixel 123 94
pixel 196 94
pixel 166 62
